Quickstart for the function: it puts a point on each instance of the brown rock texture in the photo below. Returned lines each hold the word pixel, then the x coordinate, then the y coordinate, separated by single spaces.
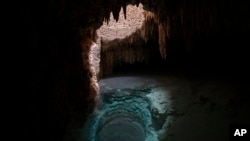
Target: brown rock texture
pixel 48 70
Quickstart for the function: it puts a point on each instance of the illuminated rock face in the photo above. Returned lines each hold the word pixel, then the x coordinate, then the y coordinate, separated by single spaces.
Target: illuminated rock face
pixel 123 27
pixel 48 73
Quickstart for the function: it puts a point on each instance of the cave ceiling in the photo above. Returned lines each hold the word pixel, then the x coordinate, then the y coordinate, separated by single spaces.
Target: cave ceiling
pixel 179 18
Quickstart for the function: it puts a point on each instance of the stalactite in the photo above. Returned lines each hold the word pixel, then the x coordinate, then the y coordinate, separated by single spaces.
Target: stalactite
pixel 116 8
pixel 162 40
pixel 137 2
pixel 148 26
pixel 130 50
pixel 107 18
pixel 183 19
pixel 124 7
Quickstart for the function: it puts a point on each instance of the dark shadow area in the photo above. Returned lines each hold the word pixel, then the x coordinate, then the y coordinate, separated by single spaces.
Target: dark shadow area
pixel 217 55
pixel 47 84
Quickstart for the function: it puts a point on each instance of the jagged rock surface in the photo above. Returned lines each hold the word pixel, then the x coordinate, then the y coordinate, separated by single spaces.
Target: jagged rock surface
pixel 49 83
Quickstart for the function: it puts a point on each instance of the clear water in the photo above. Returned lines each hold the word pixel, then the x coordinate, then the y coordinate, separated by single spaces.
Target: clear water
pixel 124 115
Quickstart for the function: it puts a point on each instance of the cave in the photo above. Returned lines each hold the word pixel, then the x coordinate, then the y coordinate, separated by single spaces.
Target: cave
pixel 173 70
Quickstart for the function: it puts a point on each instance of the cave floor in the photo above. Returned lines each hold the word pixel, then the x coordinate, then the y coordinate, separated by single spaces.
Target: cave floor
pixel 157 107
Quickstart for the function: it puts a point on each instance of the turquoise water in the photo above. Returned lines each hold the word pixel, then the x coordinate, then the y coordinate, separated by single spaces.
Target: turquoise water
pixel 124 115
pixel 136 108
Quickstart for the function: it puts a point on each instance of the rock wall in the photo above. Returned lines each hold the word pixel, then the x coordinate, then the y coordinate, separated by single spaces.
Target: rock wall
pixel 48 85
pixel 196 35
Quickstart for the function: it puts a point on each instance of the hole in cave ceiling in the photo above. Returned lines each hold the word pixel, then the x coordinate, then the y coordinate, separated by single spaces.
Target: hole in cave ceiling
pixel 123 27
